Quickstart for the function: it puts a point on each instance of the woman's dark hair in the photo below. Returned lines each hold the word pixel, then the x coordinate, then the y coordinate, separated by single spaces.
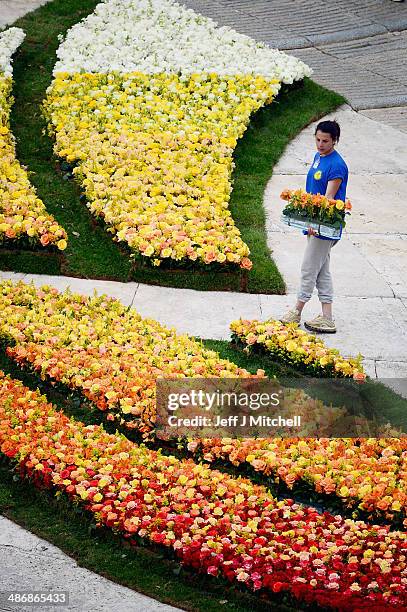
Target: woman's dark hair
pixel 329 127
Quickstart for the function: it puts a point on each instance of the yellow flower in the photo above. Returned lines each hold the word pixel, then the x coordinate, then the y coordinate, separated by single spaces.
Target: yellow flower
pixel 177 140
pixel 25 211
pixel 62 244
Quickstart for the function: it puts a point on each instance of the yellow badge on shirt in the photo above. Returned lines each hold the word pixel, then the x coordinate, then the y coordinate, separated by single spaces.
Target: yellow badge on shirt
pixel 317 175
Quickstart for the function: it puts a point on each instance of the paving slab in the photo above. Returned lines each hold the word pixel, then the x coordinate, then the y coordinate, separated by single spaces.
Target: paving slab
pixel 383 368
pixel 312 20
pixel 380 55
pixel 30 563
pixel 388 256
pixel 19 539
pixel 395 117
pixel 13 276
pixel 369 366
pixel 381 12
pixel 368 47
pixel 353 274
pixel 203 314
pixel 381 317
pixel 367 146
pixel 11 10
pixel 394 375
pixel 124 292
pixel 379 203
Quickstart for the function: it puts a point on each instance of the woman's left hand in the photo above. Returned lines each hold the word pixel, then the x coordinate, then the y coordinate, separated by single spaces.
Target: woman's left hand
pixel 311 231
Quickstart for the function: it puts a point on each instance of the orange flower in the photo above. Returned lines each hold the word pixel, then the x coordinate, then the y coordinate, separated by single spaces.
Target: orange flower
pixel 45 239
pixel 246 263
pixel 286 194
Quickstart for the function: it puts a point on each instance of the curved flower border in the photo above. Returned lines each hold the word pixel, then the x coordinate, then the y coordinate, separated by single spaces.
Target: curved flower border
pixel 23 217
pixel 112 356
pixel 102 349
pixel 154 156
pixel 366 474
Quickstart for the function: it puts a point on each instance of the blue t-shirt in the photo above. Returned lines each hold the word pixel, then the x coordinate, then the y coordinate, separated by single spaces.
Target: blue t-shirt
pixel 324 169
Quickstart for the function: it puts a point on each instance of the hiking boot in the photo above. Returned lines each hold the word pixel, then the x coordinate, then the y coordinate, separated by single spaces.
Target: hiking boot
pixel 321 325
pixel 291 316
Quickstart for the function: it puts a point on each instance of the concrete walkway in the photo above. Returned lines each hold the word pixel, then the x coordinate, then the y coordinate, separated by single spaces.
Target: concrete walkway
pixel 11 10
pixel 32 564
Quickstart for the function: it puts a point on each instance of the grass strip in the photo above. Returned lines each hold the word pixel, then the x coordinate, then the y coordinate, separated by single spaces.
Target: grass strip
pixel 91 253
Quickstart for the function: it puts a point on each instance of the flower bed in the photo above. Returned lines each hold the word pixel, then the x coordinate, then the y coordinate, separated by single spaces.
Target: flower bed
pixel 214 523
pixel 112 356
pixel 159 178
pixel 290 344
pixel 366 474
pixel 151 121
pixel 102 349
pixel 24 221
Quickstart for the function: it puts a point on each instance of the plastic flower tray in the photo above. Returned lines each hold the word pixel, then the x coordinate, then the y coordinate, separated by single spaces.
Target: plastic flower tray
pixel 327 231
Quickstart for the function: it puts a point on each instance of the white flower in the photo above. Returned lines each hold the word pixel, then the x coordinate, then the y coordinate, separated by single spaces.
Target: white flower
pixel 10 40
pixel 152 36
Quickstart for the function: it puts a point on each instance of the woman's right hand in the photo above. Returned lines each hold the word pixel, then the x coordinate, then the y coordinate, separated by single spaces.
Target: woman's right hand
pixel 311 231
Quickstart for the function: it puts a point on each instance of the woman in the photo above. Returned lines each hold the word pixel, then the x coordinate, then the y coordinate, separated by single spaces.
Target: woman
pixel 327 176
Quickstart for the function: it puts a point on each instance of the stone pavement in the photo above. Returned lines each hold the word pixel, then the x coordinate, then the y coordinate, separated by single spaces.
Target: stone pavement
pixel 32 564
pixel 11 10
pixel 355 47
